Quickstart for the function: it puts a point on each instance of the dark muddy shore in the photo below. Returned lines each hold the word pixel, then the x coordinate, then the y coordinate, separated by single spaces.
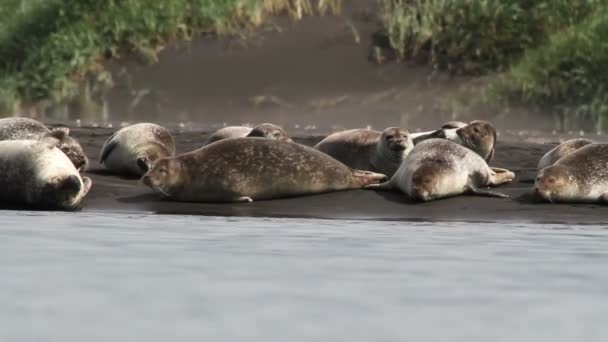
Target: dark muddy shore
pixel 114 194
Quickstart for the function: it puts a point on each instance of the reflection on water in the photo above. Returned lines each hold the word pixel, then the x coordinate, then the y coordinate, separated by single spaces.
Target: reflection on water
pixel 91 277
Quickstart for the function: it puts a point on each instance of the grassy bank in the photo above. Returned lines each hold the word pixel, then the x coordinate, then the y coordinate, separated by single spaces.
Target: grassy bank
pixel 549 54
pixel 51 51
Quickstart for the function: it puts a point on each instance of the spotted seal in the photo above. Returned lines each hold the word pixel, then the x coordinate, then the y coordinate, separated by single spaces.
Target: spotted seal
pixel 30 129
pixel 37 173
pixel 439 168
pixel 247 169
pixel 132 149
pixel 480 136
pixel 578 177
pixel 264 130
pixel 370 150
pixel 561 150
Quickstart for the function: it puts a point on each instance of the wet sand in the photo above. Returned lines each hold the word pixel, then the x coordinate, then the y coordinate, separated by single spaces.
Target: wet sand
pixel 115 194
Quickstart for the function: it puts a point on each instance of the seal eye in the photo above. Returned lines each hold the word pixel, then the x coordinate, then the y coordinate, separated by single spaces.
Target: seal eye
pixel 389 137
pixel 276 134
pixel 163 172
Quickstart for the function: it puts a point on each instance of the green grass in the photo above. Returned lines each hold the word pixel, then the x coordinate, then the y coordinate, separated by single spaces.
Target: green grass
pixel 475 36
pixel 567 75
pixel 49 49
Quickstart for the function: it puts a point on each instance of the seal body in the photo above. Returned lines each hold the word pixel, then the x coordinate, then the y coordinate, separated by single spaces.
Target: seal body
pixel 561 150
pixel 246 169
pixel 133 149
pixel 439 168
pixel 369 150
pixel 30 129
pixel 479 136
pixel 578 177
pixel 36 173
pixel 264 130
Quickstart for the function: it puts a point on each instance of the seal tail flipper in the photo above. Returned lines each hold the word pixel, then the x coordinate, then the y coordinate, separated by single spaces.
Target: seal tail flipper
pixel 54 137
pixel 361 179
pixel 386 186
pixel 484 192
pixel 244 199
pixel 500 176
pixel 434 134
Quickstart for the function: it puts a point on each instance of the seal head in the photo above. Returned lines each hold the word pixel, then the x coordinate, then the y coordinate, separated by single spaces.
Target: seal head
pixel 269 131
pixel 480 136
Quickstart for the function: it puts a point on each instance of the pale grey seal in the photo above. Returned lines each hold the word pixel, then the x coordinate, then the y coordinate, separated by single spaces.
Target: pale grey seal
pixel 264 130
pixel 30 129
pixel 561 150
pixel 36 173
pixel 439 168
pixel 370 150
pixel 246 169
pixel 132 149
pixel 578 177
pixel 480 136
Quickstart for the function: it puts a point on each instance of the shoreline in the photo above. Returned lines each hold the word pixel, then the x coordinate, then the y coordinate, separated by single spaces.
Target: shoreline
pixel 111 193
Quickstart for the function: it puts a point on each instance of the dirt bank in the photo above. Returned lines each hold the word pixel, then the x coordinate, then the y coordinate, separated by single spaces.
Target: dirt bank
pixel 114 194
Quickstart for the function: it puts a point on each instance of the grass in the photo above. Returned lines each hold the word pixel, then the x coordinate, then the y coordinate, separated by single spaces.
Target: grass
pixel 546 55
pixel 54 50
pixel 475 36
pixel 567 75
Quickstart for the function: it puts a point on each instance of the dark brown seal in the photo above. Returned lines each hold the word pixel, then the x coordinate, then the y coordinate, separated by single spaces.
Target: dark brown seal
pixel 578 177
pixel 246 169
pixel 439 168
pixel 30 129
pixel 264 130
pixel 370 150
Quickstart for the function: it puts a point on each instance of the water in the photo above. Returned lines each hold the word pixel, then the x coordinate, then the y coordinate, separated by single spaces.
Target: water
pixel 91 277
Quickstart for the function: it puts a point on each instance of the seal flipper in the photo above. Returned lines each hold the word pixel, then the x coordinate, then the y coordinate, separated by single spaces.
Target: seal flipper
pixel 440 133
pixel 471 189
pixel 386 186
pixel 244 199
pixel 108 146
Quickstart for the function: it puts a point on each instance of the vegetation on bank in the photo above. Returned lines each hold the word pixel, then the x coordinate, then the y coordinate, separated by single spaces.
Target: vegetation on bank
pixel 549 53
pixel 53 50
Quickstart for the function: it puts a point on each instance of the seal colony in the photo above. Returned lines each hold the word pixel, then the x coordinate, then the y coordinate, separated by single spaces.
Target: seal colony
pixel 263 163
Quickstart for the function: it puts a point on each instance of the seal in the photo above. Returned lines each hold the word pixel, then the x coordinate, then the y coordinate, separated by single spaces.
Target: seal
pixel 480 136
pixel 439 168
pixel 264 130
pixel 561 150
pixel 370 150
pixel 36 173
pixel 247 169
pixel 133 149
pixel 578 177
pixel 30 129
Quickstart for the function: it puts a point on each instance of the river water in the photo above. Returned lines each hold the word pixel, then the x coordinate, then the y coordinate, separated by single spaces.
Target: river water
pixel 140 277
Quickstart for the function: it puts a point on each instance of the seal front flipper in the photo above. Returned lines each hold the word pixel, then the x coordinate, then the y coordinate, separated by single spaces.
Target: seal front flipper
pixel 471 189
pixel 440 133
pixel 107 148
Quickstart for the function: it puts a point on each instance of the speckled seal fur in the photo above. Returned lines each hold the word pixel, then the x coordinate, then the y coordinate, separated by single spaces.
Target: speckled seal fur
pixel 35 173
pixel 246 169
pixel 561 150
pixel 479 136
pixel 369 150
pixel 133 149
pixel 264 130
pixel 578 177
pixel 439 168
pixel 29 129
